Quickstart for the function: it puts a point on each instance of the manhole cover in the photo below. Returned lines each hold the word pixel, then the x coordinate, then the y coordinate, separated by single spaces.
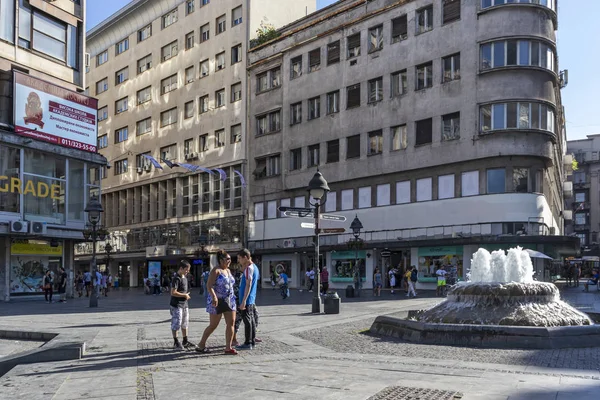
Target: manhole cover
pixel 411 393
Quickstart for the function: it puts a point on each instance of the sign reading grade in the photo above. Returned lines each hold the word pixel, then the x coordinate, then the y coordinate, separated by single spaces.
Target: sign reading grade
pixel 15 185
pixel 48 112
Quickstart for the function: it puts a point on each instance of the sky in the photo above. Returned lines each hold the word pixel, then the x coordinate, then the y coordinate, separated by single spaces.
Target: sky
pixel 575 29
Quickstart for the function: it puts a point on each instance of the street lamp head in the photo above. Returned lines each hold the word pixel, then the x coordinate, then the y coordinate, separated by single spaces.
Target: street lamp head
pixel 356 226
pixel 317 187
pixel 108 248
pixel 94 209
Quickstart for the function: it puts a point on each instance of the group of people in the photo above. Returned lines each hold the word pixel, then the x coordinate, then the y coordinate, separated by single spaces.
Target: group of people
pixel 103 282
pixel 222 301
pixel 324 276
pixel 48 285
pixel 408 279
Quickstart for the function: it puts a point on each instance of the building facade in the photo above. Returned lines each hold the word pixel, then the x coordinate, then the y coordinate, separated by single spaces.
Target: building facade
pixel 48 158
pixel 170 78
pixel 438 123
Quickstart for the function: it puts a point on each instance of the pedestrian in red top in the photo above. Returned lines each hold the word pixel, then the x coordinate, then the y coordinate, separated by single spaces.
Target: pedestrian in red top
pixel 324 280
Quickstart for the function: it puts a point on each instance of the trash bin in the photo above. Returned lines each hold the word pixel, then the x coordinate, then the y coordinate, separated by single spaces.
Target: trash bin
pixel 332 303
pixel 349 291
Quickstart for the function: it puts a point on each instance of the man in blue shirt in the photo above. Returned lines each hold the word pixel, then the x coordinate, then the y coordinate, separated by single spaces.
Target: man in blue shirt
pixel 247 291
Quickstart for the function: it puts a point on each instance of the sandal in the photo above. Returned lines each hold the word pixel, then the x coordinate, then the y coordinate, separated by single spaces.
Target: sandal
pixel 203 350
pixel 231 352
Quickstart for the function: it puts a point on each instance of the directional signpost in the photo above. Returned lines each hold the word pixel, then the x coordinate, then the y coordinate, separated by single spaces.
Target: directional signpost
pixel 308 225
pixel 298 214
pixel 332 217
pixel 332 230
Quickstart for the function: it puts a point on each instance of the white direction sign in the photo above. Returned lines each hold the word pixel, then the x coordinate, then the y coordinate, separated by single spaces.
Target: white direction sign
pixel 308 225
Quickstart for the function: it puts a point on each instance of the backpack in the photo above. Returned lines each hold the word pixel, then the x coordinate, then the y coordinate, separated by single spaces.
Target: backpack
pixel 413 276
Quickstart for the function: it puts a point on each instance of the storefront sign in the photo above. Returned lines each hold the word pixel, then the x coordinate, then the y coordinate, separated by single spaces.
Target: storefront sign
pixel 48 112
pixel 156 251
pixel 15 185
pixel 440 251
pixel 348 255
pixel 42 249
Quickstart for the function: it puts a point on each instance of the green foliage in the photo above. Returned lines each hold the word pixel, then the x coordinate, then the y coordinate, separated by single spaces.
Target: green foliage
pixel 574 165
pixel 265 33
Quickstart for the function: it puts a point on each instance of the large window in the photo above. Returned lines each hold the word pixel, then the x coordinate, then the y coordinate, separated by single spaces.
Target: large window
pixel 424 76
pixel 470 183
pixel 333 151
pixel 236 54
pixel 122 46
pixel 314 108
pixel 7 23
pixel 236 16
pixel 204 33
pixel 333 102
pixel 376 38
pixel 121 134
pixel 121 75
pixel 521 52
pixel 144 33
pixel 295 159
pixel 220 61
pixel 168 117
pixel 451 126
pixel 451 68
pixel 450 10
pixel 236 133
pixel 375 90
pixel 399 137
pixel 169 18
pixel 314 155
pixel 169 51
pixel 121 105
pixel 424 189
pixel 144 64
pixel 399 83
pixel 546 3
pixel 144 95
pixel 353 45
pixel 220 98
pixel 49 170
pixel 236 92
pixel 375 144
pixel 496 180
pixel 144 126
pixel 268 80
pixel 121 166
pixel 268 123
pixel 314 60
pixel 423 131
pixel 333 52
pixel 268 166
pixel 10 165
pixel 517 115
pixel 424 19
pixel 521 180
pixel 102 86
pixel 296 113
pixel 353 146
pixel 296 67
pixel 399 29
pixel 353 96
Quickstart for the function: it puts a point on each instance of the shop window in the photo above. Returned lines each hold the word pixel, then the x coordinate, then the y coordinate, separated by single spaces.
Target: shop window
pixel 344 263
pixel 11 164
pixel 424 189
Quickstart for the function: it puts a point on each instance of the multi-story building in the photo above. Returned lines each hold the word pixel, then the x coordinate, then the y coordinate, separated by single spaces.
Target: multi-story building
pixel 438 123
pixel 48 134
pixel 170 78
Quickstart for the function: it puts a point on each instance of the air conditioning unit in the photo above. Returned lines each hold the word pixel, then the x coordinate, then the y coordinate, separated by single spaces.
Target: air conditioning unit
pixel 287 243
pixel 140 170
pixel 191 155
pixel 38 228
pixel 18 227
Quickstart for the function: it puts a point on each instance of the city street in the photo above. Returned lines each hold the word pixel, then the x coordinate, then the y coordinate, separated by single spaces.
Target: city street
pixel 303 355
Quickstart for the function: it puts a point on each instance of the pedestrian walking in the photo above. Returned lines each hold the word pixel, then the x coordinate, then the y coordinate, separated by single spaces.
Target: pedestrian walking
pixel 412 277
pixel 441 281
pixel 180 294
pixel 62 285
pixel 311 279
pixel 324 280
pixel 248 285
pixel 220 302
pixel 377 282
pixel 392 277
pixel 79 283
pixel 87 281
pixel 576 274
pixel 156 284
pixel 48 282
pixel 104 284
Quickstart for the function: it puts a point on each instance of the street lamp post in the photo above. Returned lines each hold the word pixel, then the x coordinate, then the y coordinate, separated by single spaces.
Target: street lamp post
pixel 318 189
pixel 94 209
pixel 356 227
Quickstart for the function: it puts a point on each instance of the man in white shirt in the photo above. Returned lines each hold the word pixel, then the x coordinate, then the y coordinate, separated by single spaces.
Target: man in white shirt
pixel 310 274
pixel 441 281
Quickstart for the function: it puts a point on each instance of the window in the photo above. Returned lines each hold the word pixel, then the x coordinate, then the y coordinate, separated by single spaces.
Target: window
pixel 313 155
pixel 220 138
pixel 144 64
pixel 295 159
pixel 399 29
pixel 375 38
pixel 579 196
pixel 102 86
pixel 333 52
pixel 204 33
pixel 403 192
pixel 121 135
pixel 375 143
pixel 520 180
pixel 450 10
pixel 353 43
pixel 7 33
pixel 399 137
pixel 445 187
pixel 169 18
pixel 144 95
pixel 314 108
pixel 296 67
pixel 144 33
pixel 188 109
pixel 399 83
pixel 102 58
pixel 424 76
pixel 353 96
pixel 236 16
pixel 220 98
pixel 121 75
pixel 204 2
pixel 451 126
pixel 551 4
pixel 424 19
pixel 102 113
pixel 204 142
pixel 236 54
pixel 451 68
pixel 333 151
pixel 203 68
pixel 121 167
pixel 203 104
pixel 122 46
pixel 333 101
pixel 353 147
pixel 314 60
pixel 364 197
pixel 236 92
pixel 168 117
pixel 121 105
pixel 144 126
pixel 169 51
pixel 496 180
pixel 331 204
pixel 383 195
pixel 268 123
pixel 347 199
pixel 268 166
pixel 296 113
pixel 103 141
pixel 189 7
pixel 221 24
pixel 190 74
pixel 168 152
pixel 259 211
pixel 470 183
pixel 268 80
pixel 424 189
pixel 423 132
pixel 517 115
pixel 236 133
pixel 168 84
pixel 375 90
pixel 220 61
pixel 524 52
pixel 189 40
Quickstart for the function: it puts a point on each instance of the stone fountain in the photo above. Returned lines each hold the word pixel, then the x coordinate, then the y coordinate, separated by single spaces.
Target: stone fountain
pixel 500 306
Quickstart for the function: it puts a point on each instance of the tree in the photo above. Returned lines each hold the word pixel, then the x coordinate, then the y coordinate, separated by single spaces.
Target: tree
pixel 265 33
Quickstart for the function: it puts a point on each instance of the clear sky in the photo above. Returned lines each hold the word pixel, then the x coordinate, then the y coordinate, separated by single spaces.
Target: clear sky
pixel 577 26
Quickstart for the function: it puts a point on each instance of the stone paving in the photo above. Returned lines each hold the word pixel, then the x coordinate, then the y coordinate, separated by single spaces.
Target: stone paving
pixel 8 347
pixel 303 356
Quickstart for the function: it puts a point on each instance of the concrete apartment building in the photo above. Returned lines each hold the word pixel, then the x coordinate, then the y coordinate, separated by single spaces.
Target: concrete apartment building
pixel 438 123
pixel 170 78
pixel 47 141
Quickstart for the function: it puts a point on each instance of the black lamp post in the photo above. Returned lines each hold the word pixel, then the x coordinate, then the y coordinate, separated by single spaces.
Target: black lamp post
pixel 94 209
pixel 356 227
pixel 318 189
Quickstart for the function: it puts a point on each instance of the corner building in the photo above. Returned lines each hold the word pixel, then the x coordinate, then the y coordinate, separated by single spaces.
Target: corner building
pixel 48 158
pixel 170 78
pixel 438 123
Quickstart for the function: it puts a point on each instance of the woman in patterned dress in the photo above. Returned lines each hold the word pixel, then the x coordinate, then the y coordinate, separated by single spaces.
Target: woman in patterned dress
pixel 220 301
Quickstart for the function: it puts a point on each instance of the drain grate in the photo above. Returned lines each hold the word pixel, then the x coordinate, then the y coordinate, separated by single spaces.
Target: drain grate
pixel 411 393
